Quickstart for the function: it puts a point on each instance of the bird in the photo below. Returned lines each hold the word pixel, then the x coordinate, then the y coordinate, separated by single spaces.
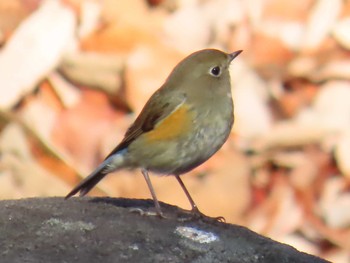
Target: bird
pixel 181 126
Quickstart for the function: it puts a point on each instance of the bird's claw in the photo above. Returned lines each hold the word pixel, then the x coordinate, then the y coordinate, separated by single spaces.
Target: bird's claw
pixel 198 215
pixel 146 213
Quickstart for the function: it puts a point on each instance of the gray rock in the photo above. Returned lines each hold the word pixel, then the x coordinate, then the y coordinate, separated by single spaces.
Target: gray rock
pixel 104 230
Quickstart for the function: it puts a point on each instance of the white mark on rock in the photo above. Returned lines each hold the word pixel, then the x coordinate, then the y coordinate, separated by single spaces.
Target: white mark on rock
pixel 196 235
pixel 134 247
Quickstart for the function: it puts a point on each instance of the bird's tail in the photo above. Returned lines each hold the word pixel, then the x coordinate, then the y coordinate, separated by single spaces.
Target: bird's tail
pixel 112 163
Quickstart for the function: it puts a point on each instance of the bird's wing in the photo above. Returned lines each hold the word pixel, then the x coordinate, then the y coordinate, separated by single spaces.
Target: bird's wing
pixel 158 108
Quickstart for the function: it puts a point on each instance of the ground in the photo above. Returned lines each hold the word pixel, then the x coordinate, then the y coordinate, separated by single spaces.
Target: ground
pixel 39 230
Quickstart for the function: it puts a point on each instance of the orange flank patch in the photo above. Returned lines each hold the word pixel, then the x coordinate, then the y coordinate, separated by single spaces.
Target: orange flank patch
pixel 175 125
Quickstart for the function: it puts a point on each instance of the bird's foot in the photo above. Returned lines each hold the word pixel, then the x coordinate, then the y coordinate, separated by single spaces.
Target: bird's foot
pixel 195 214
pixel 147 213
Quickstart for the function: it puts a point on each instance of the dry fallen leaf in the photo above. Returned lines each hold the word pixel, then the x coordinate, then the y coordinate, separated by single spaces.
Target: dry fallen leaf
pixel 320 22
pixel 34 50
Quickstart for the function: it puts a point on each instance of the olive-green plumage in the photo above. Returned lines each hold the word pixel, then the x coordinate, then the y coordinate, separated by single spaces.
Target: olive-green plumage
pixel 182 125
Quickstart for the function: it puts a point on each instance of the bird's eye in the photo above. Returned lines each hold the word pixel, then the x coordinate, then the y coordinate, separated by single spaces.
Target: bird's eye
pixel 215 71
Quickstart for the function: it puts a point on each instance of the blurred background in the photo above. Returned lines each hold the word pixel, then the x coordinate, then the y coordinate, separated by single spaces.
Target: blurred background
pixel 75 73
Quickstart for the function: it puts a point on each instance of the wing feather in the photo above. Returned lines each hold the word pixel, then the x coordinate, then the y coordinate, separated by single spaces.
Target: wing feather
pixel 158 107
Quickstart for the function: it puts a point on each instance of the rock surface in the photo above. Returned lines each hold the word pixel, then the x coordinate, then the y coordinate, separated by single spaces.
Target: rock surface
pixel 104 230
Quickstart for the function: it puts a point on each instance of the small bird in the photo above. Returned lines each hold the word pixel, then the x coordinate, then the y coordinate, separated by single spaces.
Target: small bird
pixel 181 126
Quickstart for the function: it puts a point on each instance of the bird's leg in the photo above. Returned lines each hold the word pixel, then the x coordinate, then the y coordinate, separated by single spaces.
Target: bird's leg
pixel 153 193
pixel 195 211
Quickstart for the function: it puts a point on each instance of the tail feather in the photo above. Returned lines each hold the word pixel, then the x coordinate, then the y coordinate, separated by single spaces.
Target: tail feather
pixel 110 164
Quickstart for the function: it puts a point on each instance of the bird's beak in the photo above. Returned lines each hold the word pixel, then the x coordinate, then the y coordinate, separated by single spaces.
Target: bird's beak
pixel 233 55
